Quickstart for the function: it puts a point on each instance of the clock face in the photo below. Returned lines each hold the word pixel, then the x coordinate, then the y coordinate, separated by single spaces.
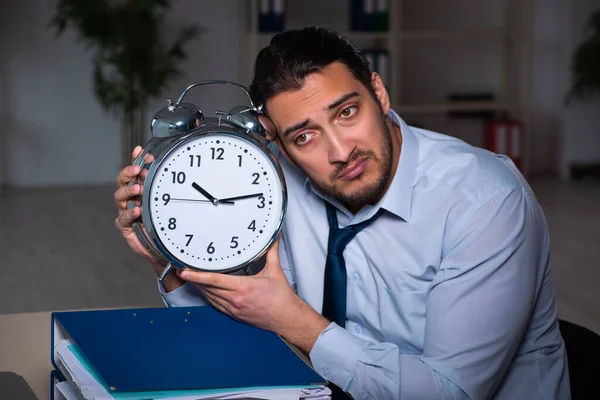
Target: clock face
pixel 216 201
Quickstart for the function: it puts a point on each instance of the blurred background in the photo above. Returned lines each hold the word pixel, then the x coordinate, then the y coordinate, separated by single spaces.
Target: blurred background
pixel 80 82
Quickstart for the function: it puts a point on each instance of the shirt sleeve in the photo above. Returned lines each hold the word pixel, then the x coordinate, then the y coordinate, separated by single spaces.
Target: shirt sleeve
pixel 186 295
pixel 478 309
pixel 285 263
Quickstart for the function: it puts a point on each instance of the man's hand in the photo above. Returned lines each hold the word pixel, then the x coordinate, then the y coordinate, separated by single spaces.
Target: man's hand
pixel 124 221
pixel 265 300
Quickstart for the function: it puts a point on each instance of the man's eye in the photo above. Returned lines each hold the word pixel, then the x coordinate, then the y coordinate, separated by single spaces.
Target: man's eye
pixel 348 112
pixel 302 138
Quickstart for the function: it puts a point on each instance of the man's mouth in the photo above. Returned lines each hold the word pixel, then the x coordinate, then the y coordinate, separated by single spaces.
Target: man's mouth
pixel 354 170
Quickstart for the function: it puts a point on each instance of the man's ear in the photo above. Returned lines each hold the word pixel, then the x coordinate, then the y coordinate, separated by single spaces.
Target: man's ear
pixel 380 92
pixel 269 126
pixel 271 132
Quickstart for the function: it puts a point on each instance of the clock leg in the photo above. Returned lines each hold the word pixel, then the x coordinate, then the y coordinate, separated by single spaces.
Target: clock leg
pixel 165 272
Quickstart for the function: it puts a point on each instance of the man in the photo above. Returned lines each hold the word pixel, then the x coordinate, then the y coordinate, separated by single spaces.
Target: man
pixel 447 293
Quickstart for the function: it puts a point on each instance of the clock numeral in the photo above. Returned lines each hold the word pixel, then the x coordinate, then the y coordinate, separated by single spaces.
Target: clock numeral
pixel 166 197
pixel 210 249
pixel 189 240
pixel 252 225
pixel 256 175
pixel 172 223
pixel 198 158
pixel 262 202
pixel 178 177
pixel 234 242
pixel 217 154
pixel 240 163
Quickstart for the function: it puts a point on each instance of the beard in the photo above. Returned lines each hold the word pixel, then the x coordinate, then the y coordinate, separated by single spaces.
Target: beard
pixel 369 192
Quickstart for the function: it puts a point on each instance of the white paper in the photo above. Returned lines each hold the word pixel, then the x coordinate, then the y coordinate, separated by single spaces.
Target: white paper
pixel 69 391
pixel 88 388
pixel 322 392
pixel 85 383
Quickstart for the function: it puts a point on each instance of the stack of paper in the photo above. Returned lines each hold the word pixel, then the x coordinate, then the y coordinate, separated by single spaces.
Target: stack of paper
pixel 83 383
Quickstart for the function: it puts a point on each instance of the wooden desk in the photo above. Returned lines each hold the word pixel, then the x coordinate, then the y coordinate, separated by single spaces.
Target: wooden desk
pixel 25 349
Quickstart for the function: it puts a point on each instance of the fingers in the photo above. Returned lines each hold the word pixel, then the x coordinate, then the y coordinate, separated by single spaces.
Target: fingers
pixel 126 218
pixel 210 279
pixel 218 303
pixel 136 153
pixel 127 174
pixel 148 158
pixel 127 193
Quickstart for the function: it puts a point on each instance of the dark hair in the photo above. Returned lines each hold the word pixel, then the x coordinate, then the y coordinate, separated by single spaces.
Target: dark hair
pixel 293 55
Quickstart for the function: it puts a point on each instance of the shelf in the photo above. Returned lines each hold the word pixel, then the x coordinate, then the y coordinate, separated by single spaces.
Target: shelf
pixel 352 35
pixel 455 106
pixel 476 33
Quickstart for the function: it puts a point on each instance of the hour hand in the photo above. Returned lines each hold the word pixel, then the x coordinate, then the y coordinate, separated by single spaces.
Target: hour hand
pixel 210 197
pixel 246 196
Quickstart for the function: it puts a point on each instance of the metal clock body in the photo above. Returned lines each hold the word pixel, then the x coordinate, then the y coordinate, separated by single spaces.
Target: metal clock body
pixel 214 195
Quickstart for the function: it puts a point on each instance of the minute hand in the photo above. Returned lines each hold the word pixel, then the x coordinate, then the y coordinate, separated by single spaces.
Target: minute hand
pixel 247 196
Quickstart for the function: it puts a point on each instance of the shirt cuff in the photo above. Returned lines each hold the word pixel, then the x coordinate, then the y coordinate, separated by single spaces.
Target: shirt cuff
pixel 185 295
pixel 335 354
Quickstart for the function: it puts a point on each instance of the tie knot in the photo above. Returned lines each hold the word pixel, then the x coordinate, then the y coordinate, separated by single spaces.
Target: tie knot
pixel 339 238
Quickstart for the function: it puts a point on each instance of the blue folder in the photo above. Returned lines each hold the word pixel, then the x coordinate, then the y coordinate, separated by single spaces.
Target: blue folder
pixel 182 348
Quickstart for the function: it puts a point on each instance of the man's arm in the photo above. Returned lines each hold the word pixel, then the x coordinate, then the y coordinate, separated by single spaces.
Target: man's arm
pixel 176 292
pixel 478 309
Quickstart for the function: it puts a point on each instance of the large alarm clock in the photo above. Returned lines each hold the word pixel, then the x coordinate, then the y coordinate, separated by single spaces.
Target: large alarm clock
pixel 214 196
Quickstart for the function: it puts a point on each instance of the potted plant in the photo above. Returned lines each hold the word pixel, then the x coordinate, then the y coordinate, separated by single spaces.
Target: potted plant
pixel 132 61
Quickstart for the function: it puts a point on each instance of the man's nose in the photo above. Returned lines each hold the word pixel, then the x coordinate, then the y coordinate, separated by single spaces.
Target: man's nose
pixel 340 147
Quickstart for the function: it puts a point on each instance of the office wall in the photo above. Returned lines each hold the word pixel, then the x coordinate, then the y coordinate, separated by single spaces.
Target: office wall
pixel 54 132
pixel 579 133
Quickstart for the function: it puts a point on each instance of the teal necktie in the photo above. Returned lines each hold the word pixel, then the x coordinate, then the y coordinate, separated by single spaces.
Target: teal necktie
pixel 334 295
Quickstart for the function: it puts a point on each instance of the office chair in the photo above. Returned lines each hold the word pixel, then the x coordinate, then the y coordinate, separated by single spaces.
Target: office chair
pixel 583 354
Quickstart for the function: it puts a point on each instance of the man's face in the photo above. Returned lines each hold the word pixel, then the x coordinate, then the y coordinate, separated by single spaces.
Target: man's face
pixel 334 130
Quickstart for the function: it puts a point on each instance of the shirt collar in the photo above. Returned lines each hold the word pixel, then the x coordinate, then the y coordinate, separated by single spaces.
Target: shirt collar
pixel 398 198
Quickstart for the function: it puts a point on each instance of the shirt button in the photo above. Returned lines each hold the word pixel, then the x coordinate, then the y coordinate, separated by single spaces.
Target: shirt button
pixel 326 371
pixel 355 276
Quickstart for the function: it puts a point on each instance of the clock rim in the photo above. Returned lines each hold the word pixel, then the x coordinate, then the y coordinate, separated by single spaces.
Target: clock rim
pixel 201 131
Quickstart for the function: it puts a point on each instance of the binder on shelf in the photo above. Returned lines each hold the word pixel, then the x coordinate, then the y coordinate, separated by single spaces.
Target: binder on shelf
pixel 381 16
pixel 361 15
pixel 379 62
pixel 176 349
pixel 271 17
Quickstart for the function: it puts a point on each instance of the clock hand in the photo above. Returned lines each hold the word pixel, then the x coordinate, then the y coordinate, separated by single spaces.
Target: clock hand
pixel 201 201
pixel 212 199
pixel 194 200
pixel 247 196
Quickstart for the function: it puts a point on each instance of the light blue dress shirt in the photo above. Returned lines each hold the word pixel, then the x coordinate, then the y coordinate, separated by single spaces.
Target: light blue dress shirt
pixel 449 293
